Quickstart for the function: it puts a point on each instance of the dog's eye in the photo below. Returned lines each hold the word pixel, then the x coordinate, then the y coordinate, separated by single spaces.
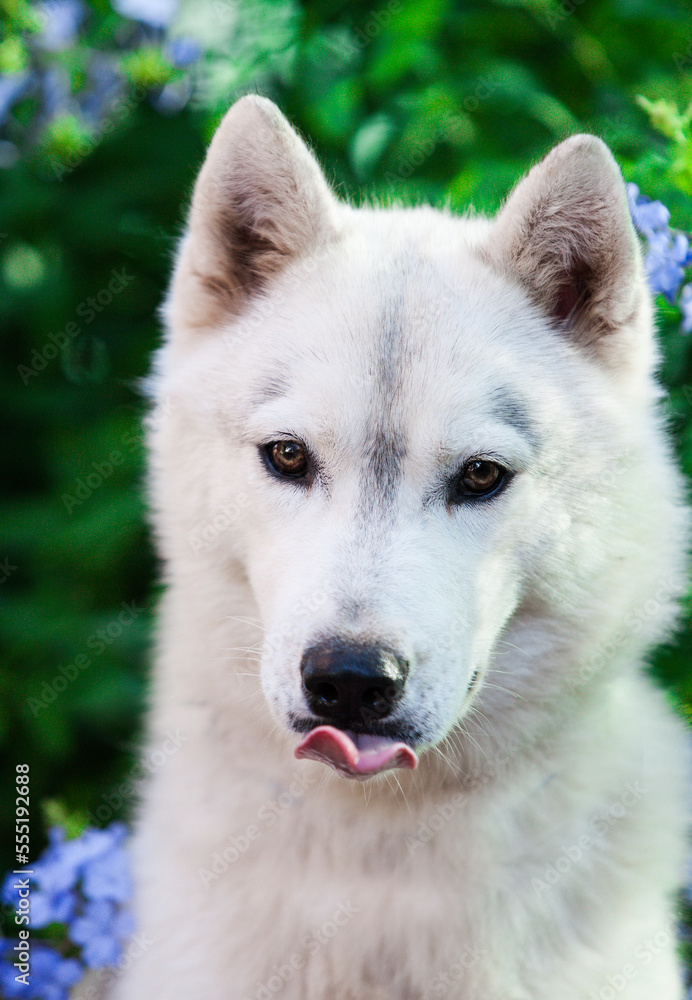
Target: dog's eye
pixel 288 458
pixel 478 478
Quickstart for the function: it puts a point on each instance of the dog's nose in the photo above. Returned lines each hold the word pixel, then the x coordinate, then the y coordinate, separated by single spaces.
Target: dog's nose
pixel 352 684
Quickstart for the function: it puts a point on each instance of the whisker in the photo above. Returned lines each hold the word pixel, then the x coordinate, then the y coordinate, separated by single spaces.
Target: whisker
pixel 505 690
pixel 473 740
pixel 249 695
pixel 270 733
pixel 401 789
pixel 511 645
pixel 439 752
pixel 242 649
pixel 475 711
pixel 255 623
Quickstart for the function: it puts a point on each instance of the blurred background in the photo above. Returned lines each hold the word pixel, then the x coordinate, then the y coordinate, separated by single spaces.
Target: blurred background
pixel 105 111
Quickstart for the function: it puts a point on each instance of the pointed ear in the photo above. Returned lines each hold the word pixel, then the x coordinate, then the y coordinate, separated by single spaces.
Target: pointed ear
pixel 565 233
pixel 260 201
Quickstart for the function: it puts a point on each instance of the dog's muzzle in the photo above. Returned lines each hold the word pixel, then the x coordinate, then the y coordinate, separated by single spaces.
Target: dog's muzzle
pixel 352 687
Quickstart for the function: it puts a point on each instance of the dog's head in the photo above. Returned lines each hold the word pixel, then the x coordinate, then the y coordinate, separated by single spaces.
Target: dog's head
pixel 424 432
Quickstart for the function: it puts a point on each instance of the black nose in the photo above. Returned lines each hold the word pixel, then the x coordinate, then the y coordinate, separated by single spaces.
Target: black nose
pixel 352 684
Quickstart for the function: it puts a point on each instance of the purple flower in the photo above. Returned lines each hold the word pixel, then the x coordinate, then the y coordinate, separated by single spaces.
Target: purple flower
pixel 61 21
pixel 9 987
pixel 94 94
pixel 9 894
pixel 173 96
pixel 108 877
pixel 100 931
pixel 632 195
pixel 55 90
pixel 50 976
pixel 648 216
pixel 664 262
pixel 651 217
pixel 65 862
pixel 13 86
pixel 46 906
pixel 51 908
pixel 82 883
pixel 686 307
pixel 56 973
pixel 183 52
pixel 668 251
pixel 106 88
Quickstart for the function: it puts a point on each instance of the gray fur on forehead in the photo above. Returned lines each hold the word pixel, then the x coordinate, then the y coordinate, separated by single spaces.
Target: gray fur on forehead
pixel 273 387
pixel 509 409
pixel 385 452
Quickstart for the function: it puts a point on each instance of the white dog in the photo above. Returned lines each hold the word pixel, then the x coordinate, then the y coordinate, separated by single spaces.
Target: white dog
pixel 420 525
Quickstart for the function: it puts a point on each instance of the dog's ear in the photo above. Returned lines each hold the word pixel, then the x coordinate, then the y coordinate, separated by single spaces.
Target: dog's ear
pixel 260 201
pixel 566 233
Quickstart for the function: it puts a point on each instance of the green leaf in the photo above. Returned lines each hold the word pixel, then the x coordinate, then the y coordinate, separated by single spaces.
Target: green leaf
pixel 369 143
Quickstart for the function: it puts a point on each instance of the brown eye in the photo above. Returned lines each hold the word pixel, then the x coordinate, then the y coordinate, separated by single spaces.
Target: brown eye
pixel 478 478
pixel 288 458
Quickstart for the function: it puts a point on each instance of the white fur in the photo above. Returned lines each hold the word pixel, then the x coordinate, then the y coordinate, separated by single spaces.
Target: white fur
pixel 535 852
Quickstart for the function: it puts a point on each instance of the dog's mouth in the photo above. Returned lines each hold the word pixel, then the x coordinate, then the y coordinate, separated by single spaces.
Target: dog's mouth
pixel 356 755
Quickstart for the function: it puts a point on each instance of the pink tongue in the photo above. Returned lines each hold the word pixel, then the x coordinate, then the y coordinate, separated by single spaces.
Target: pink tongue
pixel 354 755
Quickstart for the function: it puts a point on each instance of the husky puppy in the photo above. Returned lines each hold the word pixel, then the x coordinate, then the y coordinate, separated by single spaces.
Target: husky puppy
pixel 420 526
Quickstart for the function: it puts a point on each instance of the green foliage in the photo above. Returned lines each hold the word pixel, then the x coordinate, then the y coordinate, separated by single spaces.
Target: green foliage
pixel 666 119
pixel 437 101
